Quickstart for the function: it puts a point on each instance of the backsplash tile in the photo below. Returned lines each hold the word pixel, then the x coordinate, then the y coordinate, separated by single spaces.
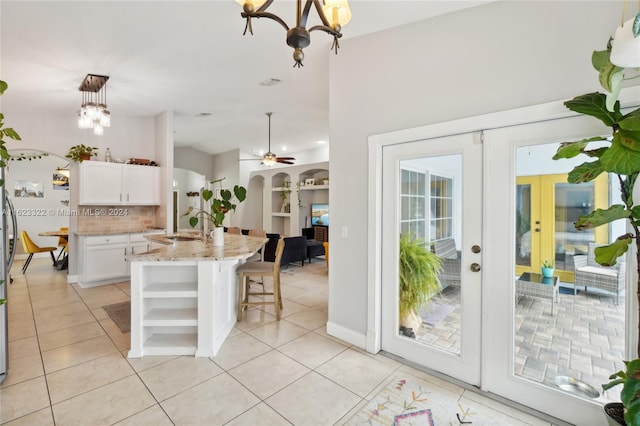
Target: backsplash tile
pixel 111 219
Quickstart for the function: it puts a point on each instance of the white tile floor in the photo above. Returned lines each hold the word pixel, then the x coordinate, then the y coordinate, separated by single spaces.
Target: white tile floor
pixel 68 363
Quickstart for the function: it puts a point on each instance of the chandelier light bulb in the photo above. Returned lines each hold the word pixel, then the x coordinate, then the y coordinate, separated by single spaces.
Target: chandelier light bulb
pixel 98 130
pixel 337 12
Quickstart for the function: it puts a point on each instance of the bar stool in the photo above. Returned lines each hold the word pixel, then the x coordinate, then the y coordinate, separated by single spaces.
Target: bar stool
pixel 250 269
pixel 234 230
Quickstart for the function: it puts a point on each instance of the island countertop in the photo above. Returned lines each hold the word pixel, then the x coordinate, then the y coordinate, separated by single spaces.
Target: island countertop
pixel 193 246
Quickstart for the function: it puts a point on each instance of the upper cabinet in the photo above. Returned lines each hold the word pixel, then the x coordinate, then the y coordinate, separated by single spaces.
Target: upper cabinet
pixel 102 183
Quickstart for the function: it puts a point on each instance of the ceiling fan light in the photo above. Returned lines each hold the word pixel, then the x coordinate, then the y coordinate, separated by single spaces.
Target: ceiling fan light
pixel 337 12
pixel 269 159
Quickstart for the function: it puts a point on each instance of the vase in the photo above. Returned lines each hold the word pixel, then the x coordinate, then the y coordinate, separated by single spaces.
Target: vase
pixel 547 272
pixel 217 234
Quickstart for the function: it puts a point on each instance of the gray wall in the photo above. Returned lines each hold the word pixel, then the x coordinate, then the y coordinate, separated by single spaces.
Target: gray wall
pixel 495 57
pixel 193 159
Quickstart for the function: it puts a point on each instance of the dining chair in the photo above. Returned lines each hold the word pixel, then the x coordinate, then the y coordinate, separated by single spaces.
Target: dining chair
pixel 32 248
pixel 234 230
pixel 249 269
pixel 326 252
pixel 62 241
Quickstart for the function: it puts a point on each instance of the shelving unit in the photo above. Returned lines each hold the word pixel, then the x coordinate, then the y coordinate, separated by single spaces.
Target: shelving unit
pixel 164 309
pixel 182 307
pixel 291 224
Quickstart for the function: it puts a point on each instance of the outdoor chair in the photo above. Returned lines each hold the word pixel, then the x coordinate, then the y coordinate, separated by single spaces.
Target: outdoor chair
pixel 588 273
pixel 451 258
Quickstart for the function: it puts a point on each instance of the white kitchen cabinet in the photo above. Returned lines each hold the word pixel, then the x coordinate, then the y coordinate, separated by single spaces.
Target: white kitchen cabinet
pixel 102 183
pixel 102 258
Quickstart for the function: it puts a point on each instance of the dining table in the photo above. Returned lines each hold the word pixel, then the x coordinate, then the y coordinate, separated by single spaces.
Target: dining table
pixel 62 259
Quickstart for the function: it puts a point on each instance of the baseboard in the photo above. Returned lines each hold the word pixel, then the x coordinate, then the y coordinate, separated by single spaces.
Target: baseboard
pixel 347 334
pixel 72 279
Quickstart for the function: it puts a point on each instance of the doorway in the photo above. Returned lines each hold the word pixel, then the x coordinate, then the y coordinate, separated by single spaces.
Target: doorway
pixel 546 209
pixel 493 300
pixel 432 198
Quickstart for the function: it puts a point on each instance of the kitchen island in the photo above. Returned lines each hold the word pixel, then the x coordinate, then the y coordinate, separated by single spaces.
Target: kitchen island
pixel 184 294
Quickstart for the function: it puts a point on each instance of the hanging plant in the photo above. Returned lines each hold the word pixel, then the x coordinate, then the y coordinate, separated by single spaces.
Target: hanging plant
pixel 27 157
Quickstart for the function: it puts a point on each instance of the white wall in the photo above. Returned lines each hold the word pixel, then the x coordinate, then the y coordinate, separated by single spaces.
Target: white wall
pixel 127 137
pixel 187 181
pixel 494 57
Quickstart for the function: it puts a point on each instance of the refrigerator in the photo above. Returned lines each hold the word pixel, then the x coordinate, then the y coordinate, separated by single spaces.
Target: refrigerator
pixel 9 236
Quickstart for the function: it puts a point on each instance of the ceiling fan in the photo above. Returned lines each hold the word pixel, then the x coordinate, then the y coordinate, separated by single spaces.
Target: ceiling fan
pixel 269 158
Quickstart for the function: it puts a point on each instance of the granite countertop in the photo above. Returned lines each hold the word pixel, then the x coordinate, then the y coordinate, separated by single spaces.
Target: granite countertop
pixel 116 230
pixel 192 246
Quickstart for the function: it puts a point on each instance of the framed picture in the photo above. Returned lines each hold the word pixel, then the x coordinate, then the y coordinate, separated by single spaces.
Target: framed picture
pixel 28 189
pixel 60 182
pixel 309 182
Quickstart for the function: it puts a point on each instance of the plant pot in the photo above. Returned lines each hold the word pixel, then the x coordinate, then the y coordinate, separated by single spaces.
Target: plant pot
pixel 411 320
pixel 614 412
pixel 85 157
pixel 547 272
pixel 217 234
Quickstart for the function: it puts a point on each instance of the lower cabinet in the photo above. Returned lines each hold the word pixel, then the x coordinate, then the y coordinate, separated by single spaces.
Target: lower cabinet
pixel 102 258
pixel 181 307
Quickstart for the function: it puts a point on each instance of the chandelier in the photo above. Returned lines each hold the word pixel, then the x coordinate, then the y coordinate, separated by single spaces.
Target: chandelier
pixel 93 113
pixel 333 13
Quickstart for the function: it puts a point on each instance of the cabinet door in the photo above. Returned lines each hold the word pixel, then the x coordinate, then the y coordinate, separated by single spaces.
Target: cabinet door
pixel 142 185
pixel 105 262
pixel 139 247
pixel 100 183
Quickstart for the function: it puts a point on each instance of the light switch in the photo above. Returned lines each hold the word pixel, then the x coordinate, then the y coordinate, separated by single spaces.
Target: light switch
pixel 345 232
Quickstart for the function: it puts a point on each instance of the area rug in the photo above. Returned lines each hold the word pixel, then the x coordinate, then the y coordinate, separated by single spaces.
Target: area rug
pixel 120 313
pixel 435 312
pixel 409 400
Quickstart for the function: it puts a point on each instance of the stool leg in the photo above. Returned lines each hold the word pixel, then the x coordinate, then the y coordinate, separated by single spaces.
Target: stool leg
pixel 240 295
pixel 276 296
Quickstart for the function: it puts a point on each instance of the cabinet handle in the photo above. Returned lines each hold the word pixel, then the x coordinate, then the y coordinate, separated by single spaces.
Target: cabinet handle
pixel 125 251
pixel 127 197
pixel 120 197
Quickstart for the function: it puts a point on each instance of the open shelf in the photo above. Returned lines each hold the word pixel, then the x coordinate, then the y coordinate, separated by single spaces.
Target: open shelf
pixel 171 317
pixel 171 344
pixel 175 289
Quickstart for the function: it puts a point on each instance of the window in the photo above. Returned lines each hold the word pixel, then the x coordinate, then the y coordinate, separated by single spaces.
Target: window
pixel 415 199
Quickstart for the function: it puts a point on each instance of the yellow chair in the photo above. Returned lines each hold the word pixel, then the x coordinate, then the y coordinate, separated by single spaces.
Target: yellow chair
pixel 30 247
pixel 62 241
pixel 326 252
pixel 250 269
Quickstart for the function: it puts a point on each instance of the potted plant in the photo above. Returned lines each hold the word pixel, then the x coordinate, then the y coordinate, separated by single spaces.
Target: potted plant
pixel 627 411
pixel 418 281
pixel 547 268
pixel 79 153
pixel 219 206
pixel 618 154
pixel 284 193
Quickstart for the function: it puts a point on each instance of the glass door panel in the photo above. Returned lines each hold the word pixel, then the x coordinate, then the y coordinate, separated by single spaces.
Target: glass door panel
pixel 424 222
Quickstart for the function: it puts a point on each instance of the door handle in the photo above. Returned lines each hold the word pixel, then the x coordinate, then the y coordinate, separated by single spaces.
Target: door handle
pixel 475 267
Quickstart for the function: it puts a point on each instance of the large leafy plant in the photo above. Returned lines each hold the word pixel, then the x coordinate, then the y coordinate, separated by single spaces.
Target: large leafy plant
pixel 617 154
pixel 418 276
pixel 5 132
pixel 219 206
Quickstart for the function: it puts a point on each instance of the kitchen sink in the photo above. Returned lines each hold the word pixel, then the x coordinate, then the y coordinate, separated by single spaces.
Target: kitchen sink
pixel 181 238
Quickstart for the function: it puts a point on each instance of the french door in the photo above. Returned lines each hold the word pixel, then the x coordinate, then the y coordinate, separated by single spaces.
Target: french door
pixel 546 209
pixel 432 194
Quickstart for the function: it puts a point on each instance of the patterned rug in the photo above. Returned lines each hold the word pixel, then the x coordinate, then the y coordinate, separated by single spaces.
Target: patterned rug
pixel 120 313
pixel 408 400
pixel 435 312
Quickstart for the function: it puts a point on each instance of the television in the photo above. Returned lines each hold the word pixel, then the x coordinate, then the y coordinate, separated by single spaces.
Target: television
pixel 320 214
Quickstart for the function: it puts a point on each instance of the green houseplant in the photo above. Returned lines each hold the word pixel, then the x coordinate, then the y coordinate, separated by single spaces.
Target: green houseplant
pixel 418 280
pixel 79 153
pixel 547 268
pixel 5 132
pixel 221 205
pixel 618 154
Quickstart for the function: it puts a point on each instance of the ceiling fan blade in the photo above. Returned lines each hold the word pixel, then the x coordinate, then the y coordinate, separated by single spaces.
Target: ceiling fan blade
pixel 281 161
pixel 250 159
pixel 286 158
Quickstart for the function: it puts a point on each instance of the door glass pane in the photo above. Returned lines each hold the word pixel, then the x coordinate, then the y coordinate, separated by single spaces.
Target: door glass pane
pixel 431 199
pixel 523 225
pixel 572 201
pixel 569 327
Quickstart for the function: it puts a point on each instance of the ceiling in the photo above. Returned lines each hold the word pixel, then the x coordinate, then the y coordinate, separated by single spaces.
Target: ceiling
pixel 189 57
